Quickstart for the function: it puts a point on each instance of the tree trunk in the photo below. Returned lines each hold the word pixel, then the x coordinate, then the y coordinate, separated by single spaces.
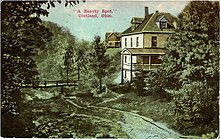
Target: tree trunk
pixel 100 84
pixel 78 73
pixel 67 79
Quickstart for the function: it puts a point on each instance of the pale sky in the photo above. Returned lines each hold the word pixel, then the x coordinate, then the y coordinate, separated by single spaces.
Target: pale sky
pixel 123 11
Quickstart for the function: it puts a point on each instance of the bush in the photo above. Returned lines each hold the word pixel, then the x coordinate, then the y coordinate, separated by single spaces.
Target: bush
pixel 138 83
pixel 194 105
pixel 155 85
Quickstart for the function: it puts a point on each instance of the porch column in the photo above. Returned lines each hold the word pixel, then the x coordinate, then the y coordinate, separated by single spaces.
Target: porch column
pixel 149 62
pixel 131 68
pixel 122 75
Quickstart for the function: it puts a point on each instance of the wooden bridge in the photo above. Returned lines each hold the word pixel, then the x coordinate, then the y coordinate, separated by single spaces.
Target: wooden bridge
pixel 50 84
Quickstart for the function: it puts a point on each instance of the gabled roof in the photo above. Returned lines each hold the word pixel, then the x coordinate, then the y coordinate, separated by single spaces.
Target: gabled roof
pixel 108 34
pixel 137 20
pixel 144 51
pixel 149 23
pixel 160 18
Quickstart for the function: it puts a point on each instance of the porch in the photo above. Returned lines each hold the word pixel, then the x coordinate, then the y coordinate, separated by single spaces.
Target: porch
pixel 139 59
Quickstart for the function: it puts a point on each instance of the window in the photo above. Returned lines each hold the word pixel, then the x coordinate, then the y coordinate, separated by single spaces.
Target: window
pixel 155 60
pixel 131 42
pixel 163 24
pixel 146 59
pixel 154 41
pixel 125 59
pixel 137 41
pixel 125 42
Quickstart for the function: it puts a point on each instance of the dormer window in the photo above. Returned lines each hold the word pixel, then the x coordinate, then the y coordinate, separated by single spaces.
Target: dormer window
pixel 163 24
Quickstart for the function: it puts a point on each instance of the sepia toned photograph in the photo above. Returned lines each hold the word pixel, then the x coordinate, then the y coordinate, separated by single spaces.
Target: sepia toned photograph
pixel 120 69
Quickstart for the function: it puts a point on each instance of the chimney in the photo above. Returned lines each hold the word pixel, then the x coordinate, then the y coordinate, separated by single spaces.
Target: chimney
pixel 146 12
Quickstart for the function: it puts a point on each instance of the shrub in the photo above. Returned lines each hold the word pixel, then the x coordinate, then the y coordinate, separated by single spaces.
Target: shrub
pixel 138 83
pixel 155 85
pixel 194 105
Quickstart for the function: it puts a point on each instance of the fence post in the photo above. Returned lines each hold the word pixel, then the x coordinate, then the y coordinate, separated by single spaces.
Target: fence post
pixel 45 83
pixel 61 89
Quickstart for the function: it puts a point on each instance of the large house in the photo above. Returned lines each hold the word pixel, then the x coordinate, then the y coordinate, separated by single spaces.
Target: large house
pixel 113 39
pixel 143 42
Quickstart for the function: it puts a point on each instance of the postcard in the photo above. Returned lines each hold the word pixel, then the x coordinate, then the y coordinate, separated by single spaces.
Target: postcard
pixel 109 69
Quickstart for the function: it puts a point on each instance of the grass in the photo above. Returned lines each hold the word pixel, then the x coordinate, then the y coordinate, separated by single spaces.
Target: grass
pixel 54 117
pixel 148 106
pixel 113 51
pixel 52 110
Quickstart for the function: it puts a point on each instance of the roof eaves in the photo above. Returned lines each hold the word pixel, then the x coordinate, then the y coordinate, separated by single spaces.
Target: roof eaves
pixel 131 33
pixel 125 49
pixel 161 31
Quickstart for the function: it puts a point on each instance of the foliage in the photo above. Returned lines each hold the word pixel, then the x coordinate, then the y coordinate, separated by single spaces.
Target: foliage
pixel 22 35
pixel 152 83
pixel 139 83
pixel 195 104
pixel 156 84
pixel 193 49
pixel 58 56
pixel 100 64
pixel 190 65
pixel 212 135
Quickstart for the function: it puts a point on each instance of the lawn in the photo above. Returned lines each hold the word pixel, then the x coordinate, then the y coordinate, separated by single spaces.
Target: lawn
pixel 47 114
pixel 51 115
pixel 147 106
pixel 113 51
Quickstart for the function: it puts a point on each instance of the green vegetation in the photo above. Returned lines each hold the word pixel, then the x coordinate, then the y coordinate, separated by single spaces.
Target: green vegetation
pixel 60 58
pixel 189 74
pixel 100 65
pixel 22 36
pixel 185 86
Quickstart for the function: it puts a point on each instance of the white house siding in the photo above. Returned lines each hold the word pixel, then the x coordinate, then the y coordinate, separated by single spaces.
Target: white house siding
pixel 134 41
pixel 127 67
pixel 127 62
pixel 127 75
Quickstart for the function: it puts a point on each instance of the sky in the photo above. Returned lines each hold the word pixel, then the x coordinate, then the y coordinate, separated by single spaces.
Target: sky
pixel 85 28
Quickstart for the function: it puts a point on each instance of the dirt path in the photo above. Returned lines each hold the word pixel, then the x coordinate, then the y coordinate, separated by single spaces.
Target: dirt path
pixel 109 100
pixel 135 126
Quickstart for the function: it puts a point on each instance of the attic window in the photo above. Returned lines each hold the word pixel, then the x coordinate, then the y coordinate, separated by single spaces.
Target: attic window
pixel 163 24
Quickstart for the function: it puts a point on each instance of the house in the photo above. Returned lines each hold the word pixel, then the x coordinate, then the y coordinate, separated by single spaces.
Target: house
pixel 113 39
pixel 143 42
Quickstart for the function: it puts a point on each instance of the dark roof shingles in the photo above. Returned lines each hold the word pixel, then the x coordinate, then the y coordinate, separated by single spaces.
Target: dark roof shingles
pixel 149 24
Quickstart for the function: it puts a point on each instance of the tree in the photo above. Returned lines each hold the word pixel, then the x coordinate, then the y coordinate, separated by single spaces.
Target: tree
pixel 100 64
pixel 23 34
pixel 68 59
pixel 193 49
pixel 191 63
pixel 55 61
pixel 81 57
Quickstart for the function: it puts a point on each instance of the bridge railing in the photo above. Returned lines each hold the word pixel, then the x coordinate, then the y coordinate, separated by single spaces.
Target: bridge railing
pixel 48 83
